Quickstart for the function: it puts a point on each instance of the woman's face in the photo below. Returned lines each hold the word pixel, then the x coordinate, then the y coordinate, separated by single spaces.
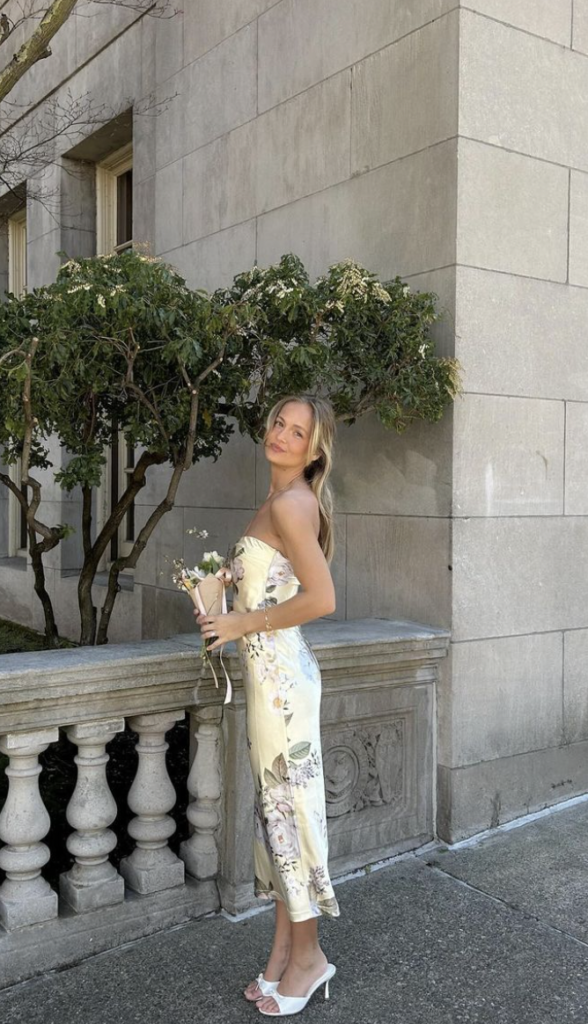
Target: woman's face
pixel 286 444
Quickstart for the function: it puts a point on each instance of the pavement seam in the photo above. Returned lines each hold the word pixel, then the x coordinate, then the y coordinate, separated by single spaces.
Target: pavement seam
pixel 527 915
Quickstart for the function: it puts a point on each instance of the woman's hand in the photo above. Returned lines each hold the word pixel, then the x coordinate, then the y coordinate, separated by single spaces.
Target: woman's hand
pixel 221 628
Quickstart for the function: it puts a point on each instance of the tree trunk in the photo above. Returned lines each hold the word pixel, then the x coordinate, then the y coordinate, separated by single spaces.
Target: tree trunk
pixel 128 563
pixel 85 603
pixel 94 552
pixel 37 551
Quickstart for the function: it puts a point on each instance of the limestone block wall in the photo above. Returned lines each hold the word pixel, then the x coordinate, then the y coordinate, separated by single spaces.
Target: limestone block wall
pixel 327 131
pixel 443 142
pixel 513 723
pixel 274 127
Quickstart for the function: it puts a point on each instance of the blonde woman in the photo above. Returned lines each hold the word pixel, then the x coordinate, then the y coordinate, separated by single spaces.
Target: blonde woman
pixel 288 544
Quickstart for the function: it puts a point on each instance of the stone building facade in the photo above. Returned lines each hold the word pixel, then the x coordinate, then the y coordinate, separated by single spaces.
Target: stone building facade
pixel 442 141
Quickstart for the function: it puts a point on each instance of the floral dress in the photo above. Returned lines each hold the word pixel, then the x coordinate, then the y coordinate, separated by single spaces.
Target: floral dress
pixel 283 691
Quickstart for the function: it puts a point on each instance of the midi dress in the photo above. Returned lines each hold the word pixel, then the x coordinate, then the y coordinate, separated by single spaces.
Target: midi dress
pixel 282 682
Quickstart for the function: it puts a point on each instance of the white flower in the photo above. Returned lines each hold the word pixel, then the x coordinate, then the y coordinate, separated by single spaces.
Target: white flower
pixel 210 556
pixel 293 888
pixel 101 301
pixel 79 288
pixel 198 533
pixel 280 573
pixel 282 833
pixel 237 569
pixel 277 700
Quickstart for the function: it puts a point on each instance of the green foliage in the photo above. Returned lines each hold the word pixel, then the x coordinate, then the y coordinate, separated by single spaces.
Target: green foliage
pixel 365 344
pixel 122 339
pixel 120 343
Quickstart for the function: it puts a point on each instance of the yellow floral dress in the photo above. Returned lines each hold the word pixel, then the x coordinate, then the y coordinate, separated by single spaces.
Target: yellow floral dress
pixel 283 691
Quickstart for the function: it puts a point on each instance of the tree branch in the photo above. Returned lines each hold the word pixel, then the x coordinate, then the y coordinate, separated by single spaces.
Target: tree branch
pixel 130 560
pixel 36 47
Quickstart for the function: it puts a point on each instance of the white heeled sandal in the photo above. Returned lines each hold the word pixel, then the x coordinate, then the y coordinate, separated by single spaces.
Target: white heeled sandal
pixel 267 988
pixel 289 1005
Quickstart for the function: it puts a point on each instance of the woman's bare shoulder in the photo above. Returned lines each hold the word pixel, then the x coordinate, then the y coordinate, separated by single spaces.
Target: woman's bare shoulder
pixel 297 497
pixel 298 503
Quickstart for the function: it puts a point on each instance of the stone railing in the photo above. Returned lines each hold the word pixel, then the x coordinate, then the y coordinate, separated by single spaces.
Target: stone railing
pixel 378 734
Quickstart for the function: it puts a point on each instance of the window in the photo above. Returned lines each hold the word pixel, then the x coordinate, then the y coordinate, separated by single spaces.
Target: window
pixel 114 202
pixel 17 252
pixel 17 283
pixel 114 233
pixel 122 464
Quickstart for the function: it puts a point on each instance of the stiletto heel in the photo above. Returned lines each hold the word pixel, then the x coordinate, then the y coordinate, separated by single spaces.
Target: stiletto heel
pixel 288 1005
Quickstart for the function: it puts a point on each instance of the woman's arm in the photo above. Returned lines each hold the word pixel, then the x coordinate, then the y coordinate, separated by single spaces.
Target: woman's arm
pixel 293 519
pixel 293 515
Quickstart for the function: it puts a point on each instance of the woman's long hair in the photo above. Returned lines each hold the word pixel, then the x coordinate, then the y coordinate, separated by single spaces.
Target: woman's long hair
pixel 317 469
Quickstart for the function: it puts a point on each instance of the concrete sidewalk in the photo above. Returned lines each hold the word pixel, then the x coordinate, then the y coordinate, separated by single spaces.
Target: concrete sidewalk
pixel 491 933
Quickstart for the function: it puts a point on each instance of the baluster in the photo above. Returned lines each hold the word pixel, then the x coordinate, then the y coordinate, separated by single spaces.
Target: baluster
pixel 152 865
pixel 25 896
pixel 200 852
pixel 93 881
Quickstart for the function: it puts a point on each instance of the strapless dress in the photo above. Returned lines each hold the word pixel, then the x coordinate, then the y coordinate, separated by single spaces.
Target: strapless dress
pixel 282 683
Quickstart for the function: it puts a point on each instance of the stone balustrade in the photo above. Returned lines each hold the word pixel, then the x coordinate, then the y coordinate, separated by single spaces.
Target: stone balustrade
pixel 378 743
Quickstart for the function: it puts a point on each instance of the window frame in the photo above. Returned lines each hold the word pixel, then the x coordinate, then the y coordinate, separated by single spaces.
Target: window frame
pixel 17 284
pixel 108 171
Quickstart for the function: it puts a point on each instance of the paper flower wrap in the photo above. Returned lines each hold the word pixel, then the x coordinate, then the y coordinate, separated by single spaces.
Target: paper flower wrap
pixel 207 591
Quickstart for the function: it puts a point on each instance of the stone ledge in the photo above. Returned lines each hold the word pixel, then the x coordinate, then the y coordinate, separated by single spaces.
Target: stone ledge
pixel 89 683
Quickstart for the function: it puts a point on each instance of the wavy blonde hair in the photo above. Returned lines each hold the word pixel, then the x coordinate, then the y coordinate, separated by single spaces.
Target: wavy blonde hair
pixel 318 468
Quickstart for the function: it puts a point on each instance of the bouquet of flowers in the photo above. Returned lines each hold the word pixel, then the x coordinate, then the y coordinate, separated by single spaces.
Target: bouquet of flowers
pixel 205 584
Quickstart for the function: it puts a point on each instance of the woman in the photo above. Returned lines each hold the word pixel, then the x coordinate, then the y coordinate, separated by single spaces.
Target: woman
pixel 288 543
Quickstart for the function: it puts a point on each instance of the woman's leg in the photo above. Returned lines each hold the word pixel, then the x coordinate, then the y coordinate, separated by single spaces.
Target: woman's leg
pixel 307 962
pixel 280 951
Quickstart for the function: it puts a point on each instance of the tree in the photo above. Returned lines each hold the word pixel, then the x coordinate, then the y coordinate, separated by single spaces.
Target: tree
pixel 122 340
pixel 27 28
pixel 47 19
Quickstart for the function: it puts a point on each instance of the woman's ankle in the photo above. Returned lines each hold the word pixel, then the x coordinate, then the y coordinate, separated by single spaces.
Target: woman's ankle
pixel 306 959
pixel 278 958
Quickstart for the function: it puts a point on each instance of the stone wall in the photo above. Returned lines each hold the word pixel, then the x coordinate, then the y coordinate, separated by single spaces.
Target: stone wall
pixel 445 143
pixel 513 723
pixel 218 98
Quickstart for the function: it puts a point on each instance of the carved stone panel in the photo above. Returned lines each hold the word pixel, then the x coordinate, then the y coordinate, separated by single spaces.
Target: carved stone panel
pixel 366 766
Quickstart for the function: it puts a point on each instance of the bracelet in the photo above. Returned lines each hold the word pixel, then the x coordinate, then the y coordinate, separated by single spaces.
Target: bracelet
pixel 268 628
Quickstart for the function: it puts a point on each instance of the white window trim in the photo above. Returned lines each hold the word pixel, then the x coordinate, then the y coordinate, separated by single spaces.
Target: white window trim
pixel 124 546
pixel 14 510
pixel 107 173
pixel 17 283
pixel 17 252
pixel 103 503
